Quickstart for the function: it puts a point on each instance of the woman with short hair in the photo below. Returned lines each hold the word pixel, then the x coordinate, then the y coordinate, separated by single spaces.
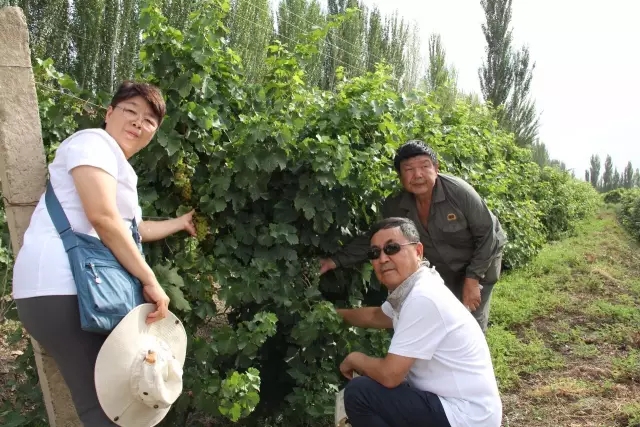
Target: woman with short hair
pixel 96 188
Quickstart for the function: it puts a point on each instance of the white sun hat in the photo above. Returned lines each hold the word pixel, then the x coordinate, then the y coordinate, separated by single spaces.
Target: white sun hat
pixel 138 373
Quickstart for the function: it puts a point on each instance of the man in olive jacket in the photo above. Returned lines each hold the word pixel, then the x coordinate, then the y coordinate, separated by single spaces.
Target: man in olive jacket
pixel 462 238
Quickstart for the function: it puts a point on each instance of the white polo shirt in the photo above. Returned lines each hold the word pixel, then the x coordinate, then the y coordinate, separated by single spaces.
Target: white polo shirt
pixel 42 265
pixel 453 359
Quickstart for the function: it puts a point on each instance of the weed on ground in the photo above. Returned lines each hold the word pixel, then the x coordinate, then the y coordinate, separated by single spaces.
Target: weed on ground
pixel 565 332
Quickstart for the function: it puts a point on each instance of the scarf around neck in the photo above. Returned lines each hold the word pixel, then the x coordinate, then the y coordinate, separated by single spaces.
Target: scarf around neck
pixel 400 294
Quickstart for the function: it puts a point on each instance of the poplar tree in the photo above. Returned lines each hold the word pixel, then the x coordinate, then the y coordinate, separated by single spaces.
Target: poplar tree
pixel 413 69
pixel 505 75
pixel 440 79
pixel 595 170
pixel 521 117
pixel 627 180
pixel 607 175
pixel 496 73
pixel 345 44
pixel 294 19
pixel 540 154
pixel 251 30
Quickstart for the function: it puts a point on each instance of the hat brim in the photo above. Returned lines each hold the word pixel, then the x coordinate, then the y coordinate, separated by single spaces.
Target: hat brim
pixel 116 357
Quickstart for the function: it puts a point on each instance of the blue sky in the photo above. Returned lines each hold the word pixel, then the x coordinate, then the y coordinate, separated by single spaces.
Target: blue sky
pixel 587 78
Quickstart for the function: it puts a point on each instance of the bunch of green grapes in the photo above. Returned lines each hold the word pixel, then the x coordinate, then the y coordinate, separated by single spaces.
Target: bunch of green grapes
pixel 181 176
pixel 191 249
pixel 202 227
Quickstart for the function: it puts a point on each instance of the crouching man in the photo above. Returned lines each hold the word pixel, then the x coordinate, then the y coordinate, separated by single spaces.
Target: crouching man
pixel 438 370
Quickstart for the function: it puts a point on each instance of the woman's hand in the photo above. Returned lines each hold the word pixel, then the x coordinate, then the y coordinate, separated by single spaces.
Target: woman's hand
pixel 151 231
pixel 154 293
pixel 186 223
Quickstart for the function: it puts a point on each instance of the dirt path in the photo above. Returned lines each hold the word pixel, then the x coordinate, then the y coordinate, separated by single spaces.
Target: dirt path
pixel 566 340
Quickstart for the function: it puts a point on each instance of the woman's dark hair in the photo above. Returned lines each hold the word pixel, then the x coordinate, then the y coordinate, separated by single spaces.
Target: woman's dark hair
pixel 414 148
pixel 152 94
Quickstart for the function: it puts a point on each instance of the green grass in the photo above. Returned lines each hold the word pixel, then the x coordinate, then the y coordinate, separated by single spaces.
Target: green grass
pixel 565 330
pixel 627 368
pixel 631 415
pixel 514 357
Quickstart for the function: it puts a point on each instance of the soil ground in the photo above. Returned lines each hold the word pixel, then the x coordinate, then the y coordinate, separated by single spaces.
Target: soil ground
pixel 565 336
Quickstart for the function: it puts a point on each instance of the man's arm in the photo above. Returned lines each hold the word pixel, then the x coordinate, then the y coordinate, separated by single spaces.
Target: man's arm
pixel 389 371
pixel 482 226
pixel 355 252
pixel 417 335
pixel 366 317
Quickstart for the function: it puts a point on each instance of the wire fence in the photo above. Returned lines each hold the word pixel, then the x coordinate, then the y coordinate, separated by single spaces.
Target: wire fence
pixel 87 102
pixel 70 95
pixel 352 54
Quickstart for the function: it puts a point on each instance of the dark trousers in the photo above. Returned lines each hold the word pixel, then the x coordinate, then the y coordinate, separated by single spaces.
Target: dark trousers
pixel 455 282
pixel 54 321
pixel 370 404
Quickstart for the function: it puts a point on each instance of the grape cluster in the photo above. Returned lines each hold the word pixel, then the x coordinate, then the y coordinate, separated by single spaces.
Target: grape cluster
pixel 309 269
pixel 185 192
pixel 306 268
pixel 181 177
pixel 191 249
pixel 202 227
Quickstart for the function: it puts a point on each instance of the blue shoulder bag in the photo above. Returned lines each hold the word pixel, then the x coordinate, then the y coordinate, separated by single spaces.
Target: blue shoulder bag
pixel 106 290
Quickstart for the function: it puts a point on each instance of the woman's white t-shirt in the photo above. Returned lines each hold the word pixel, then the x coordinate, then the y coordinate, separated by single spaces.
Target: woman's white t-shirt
pixel 42 265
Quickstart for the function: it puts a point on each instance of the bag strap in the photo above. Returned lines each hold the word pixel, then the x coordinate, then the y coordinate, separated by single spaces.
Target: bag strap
pixel 59 219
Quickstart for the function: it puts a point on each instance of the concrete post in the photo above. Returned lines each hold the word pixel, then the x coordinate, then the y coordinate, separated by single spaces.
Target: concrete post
pixel 23 174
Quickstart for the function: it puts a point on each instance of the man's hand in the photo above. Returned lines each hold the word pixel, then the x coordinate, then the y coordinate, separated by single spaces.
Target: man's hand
pixel 347 367
pixel 326 264
pixel 471 294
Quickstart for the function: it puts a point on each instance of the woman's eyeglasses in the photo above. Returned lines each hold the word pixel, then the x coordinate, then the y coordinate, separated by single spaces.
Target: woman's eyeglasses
pixel 132 115
pixel 389 249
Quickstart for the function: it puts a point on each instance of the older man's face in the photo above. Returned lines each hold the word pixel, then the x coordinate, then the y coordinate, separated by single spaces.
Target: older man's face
pixel 394 269
pixel 418 174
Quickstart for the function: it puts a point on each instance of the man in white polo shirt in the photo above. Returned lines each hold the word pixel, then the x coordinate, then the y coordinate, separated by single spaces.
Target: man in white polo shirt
pixel 438 370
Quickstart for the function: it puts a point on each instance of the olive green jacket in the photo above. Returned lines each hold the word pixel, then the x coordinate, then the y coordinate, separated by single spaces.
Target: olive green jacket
pixel 462 234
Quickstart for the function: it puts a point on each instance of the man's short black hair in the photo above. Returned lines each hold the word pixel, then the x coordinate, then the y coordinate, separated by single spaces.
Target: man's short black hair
pixel 414 148
pixel 407 226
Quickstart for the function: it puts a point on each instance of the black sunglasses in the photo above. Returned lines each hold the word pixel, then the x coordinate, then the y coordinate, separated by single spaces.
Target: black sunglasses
pixel 389 249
